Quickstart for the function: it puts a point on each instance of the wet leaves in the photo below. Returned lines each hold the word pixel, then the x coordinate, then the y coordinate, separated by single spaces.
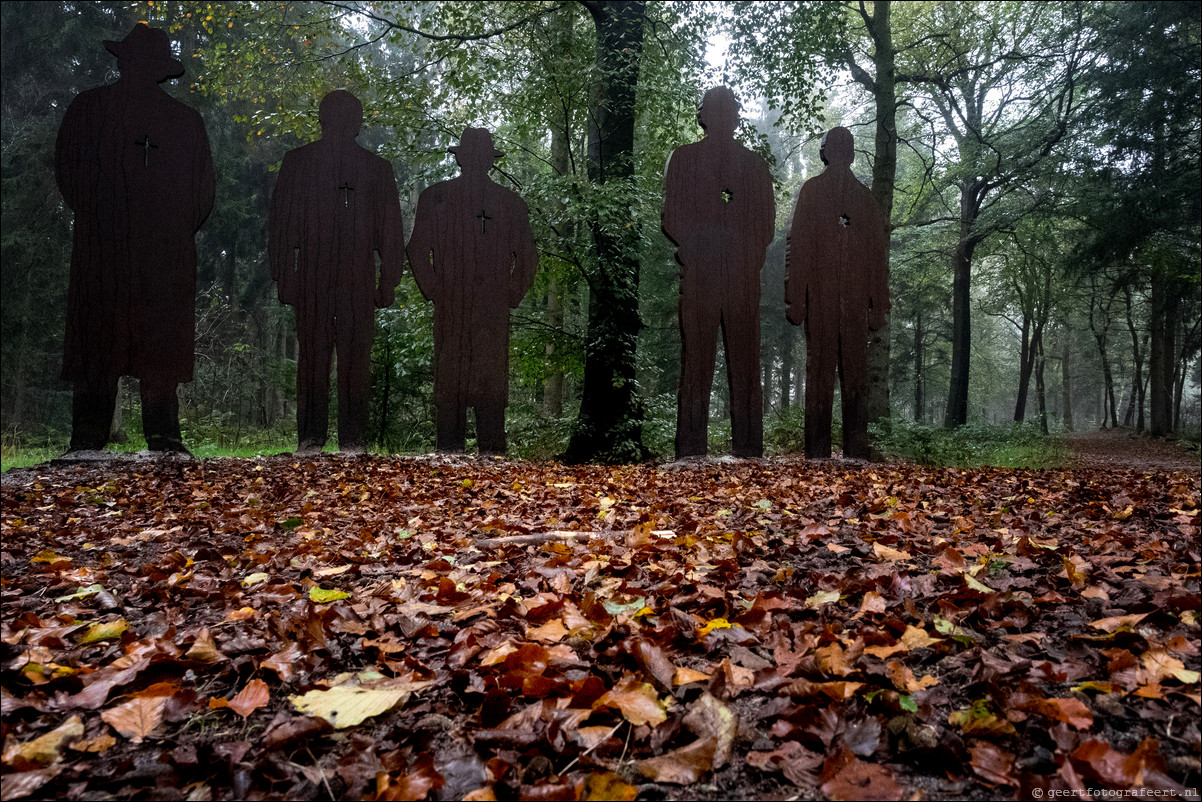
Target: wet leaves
pixel 436 629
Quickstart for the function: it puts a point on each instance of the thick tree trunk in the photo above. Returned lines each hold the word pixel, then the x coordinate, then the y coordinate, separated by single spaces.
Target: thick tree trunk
pixel 1163 327
pixel 609 428
pixel 957 394
pixel 884 169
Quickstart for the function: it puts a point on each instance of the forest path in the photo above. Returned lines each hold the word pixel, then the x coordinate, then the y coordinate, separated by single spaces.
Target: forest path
pixel 1123 448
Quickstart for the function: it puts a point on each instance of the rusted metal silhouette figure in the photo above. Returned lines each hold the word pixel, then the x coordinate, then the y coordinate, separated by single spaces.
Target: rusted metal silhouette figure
pixel 335 207
pixel 472 254
pixel 836 286
pixel 719 212
pixel 133 163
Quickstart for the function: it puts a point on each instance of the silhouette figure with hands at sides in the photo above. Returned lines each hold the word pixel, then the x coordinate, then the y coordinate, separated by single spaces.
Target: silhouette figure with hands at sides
pixel 719 212
pixel 473 254
pixel 335 207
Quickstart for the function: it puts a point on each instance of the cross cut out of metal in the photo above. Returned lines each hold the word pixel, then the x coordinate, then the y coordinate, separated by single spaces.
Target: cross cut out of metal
pixel 347 189
pixel 727 195
pixel 844 220
pixel 484 218
pixel 146 145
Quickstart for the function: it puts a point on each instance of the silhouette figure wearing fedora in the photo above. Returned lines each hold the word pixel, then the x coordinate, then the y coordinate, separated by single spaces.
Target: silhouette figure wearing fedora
pixel 133 163
pixel 472 254
pixel 335 207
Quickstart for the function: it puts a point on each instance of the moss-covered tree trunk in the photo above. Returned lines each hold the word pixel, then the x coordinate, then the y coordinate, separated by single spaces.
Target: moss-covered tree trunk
pixel 609 428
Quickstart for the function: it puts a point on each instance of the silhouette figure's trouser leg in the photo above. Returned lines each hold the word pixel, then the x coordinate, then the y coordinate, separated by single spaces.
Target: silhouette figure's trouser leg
pixel 315 344
pixel 490 427
pixel 698 348
pixel 354 380
pixel 822 344
pixel 160 415
pixel 853 375
pixel 450 421
pixel 92 407
pixel 741 343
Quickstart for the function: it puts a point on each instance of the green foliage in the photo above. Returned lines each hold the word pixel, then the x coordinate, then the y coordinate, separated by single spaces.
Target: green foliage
pixel 784 432
pixel 1011 445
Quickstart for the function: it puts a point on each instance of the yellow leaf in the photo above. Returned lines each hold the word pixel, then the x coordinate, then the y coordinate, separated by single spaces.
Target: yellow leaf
pixel 44 750
pixel 349 705
pixel 49 557
pixel 322 596
pixel 717 623
pixel 255 579
pixel 976 584
pixel 99 632
pixel 823 597
pixel 886 553
pixel 637 700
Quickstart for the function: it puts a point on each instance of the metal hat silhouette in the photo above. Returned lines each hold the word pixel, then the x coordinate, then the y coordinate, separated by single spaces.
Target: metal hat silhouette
pixel 147 49
pixel 474 141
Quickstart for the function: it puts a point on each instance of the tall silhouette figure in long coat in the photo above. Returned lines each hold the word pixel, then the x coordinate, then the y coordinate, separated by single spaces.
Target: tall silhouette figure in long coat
pixel 719 211
pixel 335 207
pixel 473 254
pixel 837 286
pixel 133 163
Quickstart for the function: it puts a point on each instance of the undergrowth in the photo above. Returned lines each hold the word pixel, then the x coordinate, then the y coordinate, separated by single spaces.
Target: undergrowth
pixel 1009 445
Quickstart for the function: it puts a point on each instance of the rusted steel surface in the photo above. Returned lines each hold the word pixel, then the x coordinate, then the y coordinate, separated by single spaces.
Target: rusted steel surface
pixel 836 286
pixel 134 166
pixel 473 254
pixel 719 212
pixel 334 209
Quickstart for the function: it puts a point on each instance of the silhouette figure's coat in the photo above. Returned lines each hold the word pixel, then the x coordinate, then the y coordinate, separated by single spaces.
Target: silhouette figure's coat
pixel 473 254
pixel 335 206
pixel 133 163
pixel 719 212
pixel 837 286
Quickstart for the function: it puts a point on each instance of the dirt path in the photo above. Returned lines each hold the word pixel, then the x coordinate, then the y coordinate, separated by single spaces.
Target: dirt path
pixel 1123 448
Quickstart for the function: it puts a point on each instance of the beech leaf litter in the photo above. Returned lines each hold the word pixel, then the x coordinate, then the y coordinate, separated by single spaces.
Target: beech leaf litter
pixel 452 628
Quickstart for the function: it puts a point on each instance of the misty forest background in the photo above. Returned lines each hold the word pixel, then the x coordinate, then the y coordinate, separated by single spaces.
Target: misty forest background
pixel 1039 163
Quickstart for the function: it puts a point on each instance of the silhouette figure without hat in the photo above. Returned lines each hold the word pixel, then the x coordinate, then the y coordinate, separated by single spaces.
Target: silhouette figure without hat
pixel 335 207
pixel 719 211
pixel 472 254
pixel 133 163
pixel 837 286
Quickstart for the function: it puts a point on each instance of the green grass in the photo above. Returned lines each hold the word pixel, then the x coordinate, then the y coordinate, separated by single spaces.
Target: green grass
pixel 975 445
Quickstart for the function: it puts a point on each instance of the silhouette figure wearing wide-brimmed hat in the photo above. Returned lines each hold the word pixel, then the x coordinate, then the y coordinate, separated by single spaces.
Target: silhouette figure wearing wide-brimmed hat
pixel 335 207
pixel 473 254
pixel 837 286
pixel 133 163
pixel 719 211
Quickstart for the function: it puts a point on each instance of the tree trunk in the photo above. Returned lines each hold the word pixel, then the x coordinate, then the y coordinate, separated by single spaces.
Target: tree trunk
pixel 957 394
pixel 1026 362
pixel 609 428
pixel 786 366
pixel 1040 387
pixel 920 401
pixel 884 169
pixel 1163 326
pixel 1066 384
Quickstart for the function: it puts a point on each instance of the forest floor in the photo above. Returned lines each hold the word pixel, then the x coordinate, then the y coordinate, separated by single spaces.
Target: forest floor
pixel 449 628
